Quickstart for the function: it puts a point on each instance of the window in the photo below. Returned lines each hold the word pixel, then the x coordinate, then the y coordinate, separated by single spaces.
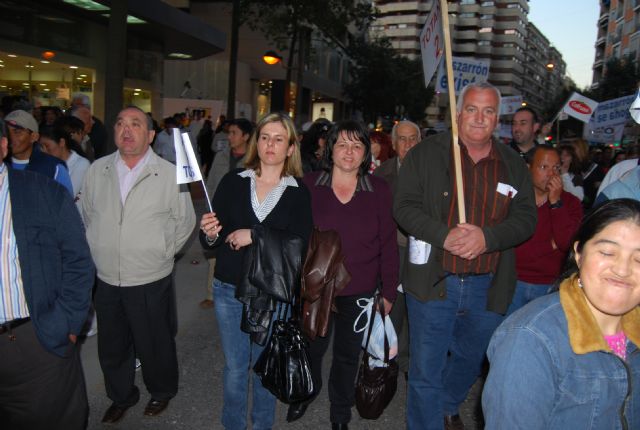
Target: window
pixel 485 30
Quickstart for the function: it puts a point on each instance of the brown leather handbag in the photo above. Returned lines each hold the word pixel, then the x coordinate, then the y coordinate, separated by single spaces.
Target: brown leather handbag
pixel 323 276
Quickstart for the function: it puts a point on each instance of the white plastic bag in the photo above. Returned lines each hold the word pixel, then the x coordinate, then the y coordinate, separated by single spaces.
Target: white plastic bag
pixel 376 343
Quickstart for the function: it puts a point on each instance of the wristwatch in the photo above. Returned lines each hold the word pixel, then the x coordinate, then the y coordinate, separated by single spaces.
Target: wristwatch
pixel 556 205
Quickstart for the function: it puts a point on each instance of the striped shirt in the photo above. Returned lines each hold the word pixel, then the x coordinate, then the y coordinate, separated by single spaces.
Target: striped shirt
pixel 484 205
pixel 13 304
pixel 262 210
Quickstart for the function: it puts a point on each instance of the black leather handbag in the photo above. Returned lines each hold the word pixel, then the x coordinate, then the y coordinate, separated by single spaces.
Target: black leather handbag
pixel 376 386
pixel 284 365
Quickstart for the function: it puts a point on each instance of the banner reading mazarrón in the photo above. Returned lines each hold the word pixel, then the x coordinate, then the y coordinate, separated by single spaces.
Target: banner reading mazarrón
pixel 465 71
pixel 607 122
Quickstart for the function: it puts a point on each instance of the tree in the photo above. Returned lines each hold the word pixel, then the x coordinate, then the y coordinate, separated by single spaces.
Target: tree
pixel 385 84
pixel 620 79
pixel 289 24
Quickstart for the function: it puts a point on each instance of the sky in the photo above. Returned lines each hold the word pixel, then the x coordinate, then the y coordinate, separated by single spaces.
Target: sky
pixel 570 26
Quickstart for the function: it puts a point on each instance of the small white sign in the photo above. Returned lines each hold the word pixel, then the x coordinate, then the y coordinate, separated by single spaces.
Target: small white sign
pixel 419 251
pixel 432 42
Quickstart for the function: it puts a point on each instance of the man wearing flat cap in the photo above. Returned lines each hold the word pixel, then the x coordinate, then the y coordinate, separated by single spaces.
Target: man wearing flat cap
pixel 23 134
pixel 46 276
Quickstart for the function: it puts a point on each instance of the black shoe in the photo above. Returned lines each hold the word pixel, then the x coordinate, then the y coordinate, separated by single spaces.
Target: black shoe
pixel 296 411
pixel 453 422
pixel 335 426
pixel 114 414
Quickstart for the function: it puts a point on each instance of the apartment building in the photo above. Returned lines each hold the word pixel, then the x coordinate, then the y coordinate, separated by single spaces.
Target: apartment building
pixel 491 30
pixel 618 34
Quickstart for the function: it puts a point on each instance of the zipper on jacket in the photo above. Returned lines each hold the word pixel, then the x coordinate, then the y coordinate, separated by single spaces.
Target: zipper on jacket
pixel 140 179
pixel 623 418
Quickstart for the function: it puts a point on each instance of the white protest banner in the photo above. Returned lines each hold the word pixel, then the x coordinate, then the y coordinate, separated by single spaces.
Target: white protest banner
pixel 607 122
pixel 634 110
pixel 431 42
pixel 187 169
pixel 580 107
pixel 465 71
pixel 510 104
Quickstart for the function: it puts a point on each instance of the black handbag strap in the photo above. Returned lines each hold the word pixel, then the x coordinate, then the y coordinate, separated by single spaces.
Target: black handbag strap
pixel 378 306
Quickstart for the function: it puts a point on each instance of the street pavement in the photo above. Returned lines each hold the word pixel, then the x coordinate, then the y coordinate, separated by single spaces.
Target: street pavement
pixel 198 404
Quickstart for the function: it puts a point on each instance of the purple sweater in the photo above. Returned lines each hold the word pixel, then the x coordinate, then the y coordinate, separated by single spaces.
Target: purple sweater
pixel 366 228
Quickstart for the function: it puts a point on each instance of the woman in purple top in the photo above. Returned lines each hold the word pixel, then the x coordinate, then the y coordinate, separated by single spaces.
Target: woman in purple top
pixel 345 198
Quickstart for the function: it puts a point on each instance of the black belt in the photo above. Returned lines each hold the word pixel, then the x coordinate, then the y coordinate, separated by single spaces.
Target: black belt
pixel 467 274
pixel 10 325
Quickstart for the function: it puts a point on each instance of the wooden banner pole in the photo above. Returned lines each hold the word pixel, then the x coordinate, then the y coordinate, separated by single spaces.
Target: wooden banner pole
pixel 452 106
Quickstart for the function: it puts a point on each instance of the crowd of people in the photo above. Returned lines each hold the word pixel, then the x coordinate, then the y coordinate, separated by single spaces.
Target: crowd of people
pixel 541 276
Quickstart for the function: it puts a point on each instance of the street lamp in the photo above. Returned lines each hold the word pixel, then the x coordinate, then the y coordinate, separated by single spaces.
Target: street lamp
pixel 271 58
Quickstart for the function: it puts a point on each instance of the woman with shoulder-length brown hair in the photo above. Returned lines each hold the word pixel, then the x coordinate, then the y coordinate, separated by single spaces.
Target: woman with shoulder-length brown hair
pixel 268 191
pixel 347 199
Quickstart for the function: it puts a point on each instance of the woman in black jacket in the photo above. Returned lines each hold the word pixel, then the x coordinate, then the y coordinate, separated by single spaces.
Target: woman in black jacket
pixel 267 192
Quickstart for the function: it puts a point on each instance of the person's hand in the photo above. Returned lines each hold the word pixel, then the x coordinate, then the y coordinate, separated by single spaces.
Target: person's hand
pixel 472 243
pixel 545 129
pixel 73 338
pixel 454 240
pixel 210 225
pixel 387 306
pixel 554 186
pixel 239 238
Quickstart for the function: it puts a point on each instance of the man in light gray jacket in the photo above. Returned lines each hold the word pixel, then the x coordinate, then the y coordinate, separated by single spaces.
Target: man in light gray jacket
pixel 137 218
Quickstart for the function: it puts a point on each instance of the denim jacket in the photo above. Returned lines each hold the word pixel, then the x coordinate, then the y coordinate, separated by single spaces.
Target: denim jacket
pixel 552 369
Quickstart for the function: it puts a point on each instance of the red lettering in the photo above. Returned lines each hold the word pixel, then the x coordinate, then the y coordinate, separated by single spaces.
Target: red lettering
pixel 580 107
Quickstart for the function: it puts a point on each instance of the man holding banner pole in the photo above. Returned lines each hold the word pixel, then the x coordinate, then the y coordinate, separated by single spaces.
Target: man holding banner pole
pixel 137 218
pixel 459 277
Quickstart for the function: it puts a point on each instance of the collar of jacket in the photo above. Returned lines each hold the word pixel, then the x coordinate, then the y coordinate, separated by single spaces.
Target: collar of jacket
pixel 363 184
pixel 151 167
pixel 584 334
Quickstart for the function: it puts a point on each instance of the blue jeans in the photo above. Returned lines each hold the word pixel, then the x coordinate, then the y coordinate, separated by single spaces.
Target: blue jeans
pixel 240 354
pixel 447 340
pixel 526 292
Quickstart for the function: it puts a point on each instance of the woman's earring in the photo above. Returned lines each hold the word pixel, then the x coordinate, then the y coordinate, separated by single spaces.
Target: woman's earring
pixel 579 282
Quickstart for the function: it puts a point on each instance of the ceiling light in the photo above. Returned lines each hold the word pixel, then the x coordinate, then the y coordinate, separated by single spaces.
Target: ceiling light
pixel 43 85
pixel 47 89
pixel 12 55
pixel 180 55
pixel 73 67
pixel 137 89
pixel 45 61
pixel 84 75
pixel 136 94
pixel 87 5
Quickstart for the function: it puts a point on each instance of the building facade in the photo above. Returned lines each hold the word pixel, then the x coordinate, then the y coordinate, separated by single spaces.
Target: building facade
pixel 493 30
pixel 50 49
pixel 618 34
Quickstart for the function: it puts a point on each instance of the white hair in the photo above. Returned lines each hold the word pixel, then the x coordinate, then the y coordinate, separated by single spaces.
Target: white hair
pixel 478 86
pixel 394 130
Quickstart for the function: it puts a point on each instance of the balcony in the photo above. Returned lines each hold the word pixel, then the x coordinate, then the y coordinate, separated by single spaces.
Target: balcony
pixel 466 35
pixel 604 19
pixel 464 48
pixel 601 41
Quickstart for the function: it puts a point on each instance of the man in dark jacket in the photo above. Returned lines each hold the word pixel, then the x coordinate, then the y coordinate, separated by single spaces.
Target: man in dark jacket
pixel 459 277
pixel 46 277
